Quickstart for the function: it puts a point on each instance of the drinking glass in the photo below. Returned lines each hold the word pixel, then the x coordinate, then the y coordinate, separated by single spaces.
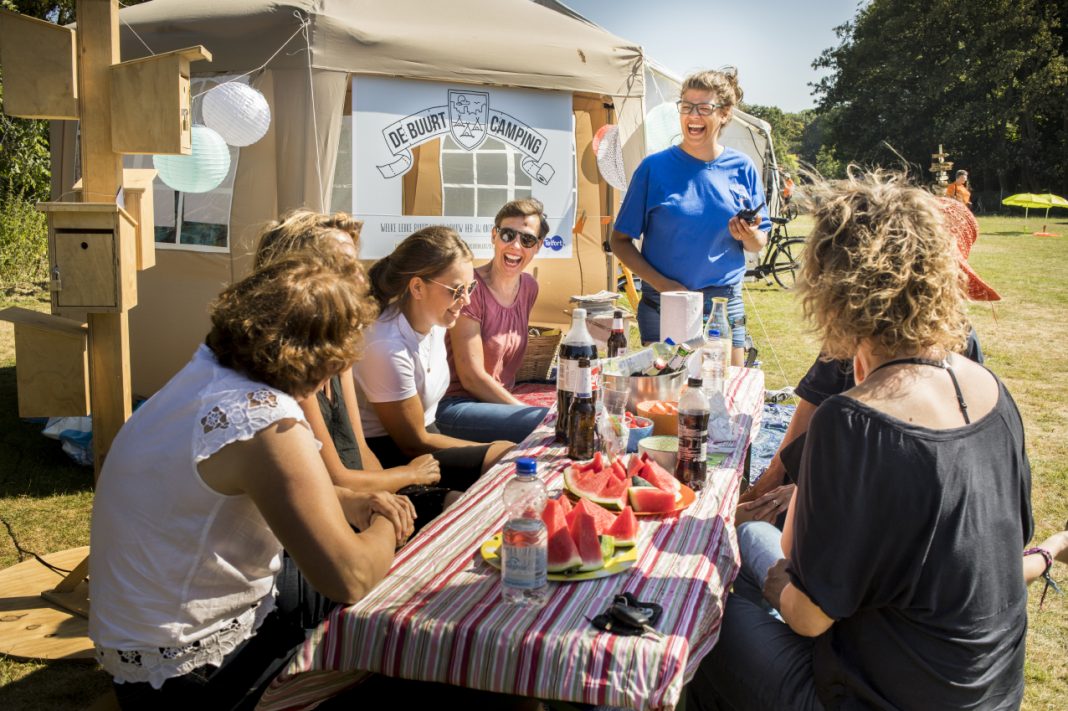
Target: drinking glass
pixel 615 392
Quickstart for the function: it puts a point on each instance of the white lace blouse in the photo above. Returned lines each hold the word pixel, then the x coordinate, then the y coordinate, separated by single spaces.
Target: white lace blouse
pixel 179 574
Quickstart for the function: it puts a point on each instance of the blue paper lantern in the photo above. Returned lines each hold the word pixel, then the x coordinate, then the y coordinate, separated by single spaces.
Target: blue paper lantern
pixel 662 127
pixel 200 171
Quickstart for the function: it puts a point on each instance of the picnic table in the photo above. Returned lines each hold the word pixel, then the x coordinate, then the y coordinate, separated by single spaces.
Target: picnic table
pixel 438 615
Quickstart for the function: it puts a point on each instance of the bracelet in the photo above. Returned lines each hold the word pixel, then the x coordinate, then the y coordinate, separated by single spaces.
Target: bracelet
pixel 1050 582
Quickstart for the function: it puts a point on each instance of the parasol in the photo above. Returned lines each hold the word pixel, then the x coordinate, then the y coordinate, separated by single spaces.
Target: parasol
pixel 1037 201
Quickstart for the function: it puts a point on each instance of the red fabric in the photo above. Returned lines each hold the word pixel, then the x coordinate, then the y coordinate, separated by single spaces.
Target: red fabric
pixel 536 394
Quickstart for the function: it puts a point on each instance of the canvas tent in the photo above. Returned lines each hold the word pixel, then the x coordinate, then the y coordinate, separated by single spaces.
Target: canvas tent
pixel 389 52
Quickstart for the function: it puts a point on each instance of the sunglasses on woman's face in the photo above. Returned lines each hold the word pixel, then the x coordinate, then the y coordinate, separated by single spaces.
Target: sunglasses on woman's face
pixel 459 291
pixel 508 235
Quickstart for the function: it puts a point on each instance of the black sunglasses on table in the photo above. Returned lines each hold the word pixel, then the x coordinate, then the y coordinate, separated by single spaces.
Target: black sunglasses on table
pixel 508 235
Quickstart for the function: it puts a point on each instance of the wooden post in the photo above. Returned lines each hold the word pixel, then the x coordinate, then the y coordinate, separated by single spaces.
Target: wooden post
pixel 109 333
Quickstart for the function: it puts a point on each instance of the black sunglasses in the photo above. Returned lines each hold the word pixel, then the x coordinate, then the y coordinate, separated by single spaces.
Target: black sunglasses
pixel 508 235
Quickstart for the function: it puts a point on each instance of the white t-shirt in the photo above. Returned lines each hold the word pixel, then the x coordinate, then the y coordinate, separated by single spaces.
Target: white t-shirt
pixel 399 362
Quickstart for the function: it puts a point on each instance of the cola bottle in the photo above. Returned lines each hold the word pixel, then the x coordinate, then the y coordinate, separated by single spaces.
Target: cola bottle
pixel 582 416
pixel 691 466
pixel 617 342
pixel 578 343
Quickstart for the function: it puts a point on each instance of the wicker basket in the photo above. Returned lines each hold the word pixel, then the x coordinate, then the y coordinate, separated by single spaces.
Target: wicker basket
pixel 541 349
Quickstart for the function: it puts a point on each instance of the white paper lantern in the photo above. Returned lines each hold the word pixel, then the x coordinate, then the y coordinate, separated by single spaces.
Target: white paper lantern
pixel 662 127
pixel 609 150
pixel 237 112
pixel 200 171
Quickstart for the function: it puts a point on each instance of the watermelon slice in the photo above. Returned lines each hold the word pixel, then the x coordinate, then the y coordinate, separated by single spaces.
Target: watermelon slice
pixel 618 470
pixel 565 503
pixel 562 554
pixel 646 500
pixel 608 546
pixel 596 464
pixel 613 494
pixel 660 478
pixel 601 517
pixel 584 533
pixel 625 528
pixel 584 483
pixel 635 465
pixel 638 481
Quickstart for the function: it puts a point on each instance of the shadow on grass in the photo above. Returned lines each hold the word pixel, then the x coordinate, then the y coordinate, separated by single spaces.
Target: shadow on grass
pixel 30 463
pixel 56 685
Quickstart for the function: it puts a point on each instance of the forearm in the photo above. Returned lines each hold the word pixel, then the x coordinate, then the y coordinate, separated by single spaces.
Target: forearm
pixel 428 443
pixel 390 480
pixel 775 474
pixel 1034 565
pixel 754 242
pixel 802 615
pixel 623 247
pixel 485 388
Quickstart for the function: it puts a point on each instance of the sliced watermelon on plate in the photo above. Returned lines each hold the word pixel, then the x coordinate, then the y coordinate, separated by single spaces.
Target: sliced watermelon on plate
pixel 613 494
pixel 618 470
pixel 635 465
pixel 562 553
pixel 650 500
pixel 601 517
pixel 660 478
pixel 584 534
pixel 625 528
pixel 584 483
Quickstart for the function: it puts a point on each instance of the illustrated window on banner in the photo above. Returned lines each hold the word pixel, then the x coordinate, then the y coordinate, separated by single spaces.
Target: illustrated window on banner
pixel 193 221
pixel 425 154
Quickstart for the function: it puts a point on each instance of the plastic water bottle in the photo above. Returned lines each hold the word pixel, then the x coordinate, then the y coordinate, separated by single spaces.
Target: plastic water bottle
pixel 525 544
pixel 691 466
pixel 712 364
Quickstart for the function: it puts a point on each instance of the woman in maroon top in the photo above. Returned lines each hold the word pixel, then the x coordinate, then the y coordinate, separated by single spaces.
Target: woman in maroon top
pixel 488 342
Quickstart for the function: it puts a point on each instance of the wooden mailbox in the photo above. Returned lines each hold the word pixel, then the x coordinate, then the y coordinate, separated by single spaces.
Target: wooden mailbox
pixel 40 75
pixel 162 82
pixel 92 257
pixel 137 190
pixel 52 369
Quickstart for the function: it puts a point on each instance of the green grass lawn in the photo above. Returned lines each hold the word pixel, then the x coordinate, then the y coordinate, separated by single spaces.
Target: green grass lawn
pixel 47 500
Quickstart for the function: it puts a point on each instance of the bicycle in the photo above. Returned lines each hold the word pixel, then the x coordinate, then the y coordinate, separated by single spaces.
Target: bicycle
pixel 780 258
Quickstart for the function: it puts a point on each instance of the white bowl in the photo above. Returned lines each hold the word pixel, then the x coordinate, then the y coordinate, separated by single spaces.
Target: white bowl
pixel 662 449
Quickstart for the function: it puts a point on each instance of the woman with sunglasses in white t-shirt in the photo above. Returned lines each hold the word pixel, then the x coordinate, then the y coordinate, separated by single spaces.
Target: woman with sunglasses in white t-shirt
pixel 421 288
pixel 488 342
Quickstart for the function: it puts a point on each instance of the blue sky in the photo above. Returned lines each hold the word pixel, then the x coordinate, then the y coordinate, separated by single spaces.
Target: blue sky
pixel 772 42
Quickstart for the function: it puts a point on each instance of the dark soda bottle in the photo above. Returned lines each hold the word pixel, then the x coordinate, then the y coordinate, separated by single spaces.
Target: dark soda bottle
pixel 617 342
pixel 578 343
pixel 692 463
pixel 582 417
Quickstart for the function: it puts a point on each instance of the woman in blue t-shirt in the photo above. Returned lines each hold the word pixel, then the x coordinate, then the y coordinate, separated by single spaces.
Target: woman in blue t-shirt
pixel 685 201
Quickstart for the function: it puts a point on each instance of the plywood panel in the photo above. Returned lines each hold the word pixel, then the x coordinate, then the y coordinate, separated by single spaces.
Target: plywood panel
pixel 86 263
pixel 40 78
pixel 51 364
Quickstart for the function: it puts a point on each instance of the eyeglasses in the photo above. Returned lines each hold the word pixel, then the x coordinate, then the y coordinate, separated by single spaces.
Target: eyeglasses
pixel 508 235
pixel 685 107
pixel 459 291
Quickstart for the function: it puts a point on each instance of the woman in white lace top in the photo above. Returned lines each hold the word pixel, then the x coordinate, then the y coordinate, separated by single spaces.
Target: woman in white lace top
pixel 209 480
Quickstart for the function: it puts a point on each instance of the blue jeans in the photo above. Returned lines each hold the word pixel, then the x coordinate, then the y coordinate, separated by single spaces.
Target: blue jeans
pixel 649 311
pixel 467 418
pixel 758 662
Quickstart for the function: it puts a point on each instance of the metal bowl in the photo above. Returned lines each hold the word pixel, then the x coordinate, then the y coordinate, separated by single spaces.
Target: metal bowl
pixel 655 387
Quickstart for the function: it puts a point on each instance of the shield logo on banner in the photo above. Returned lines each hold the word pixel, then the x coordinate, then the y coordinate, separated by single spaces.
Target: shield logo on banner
pixel 468 116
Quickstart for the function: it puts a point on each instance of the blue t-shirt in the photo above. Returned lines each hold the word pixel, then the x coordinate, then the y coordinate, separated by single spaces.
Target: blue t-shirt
pixel 682 206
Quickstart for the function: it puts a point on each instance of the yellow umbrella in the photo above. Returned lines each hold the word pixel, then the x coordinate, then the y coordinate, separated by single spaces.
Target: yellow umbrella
pixel 1037 201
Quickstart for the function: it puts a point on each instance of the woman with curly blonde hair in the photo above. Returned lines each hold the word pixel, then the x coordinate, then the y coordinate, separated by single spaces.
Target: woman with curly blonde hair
pixel 898 573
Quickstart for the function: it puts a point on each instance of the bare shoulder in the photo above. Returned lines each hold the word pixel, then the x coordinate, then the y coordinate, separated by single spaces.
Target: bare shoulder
pixel 271 454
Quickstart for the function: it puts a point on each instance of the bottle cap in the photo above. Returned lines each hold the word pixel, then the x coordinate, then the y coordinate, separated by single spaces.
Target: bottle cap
pixel 669 341
pixel 579 314
pixel 694 382
pixel 526 466
pixel 713 332
pixel 617 314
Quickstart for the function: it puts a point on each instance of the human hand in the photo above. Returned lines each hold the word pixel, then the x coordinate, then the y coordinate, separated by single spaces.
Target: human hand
pixel 424 470
pixel 665 284
pixel 766 507
pixel 776 581
pixel 361 508
pixel 742 230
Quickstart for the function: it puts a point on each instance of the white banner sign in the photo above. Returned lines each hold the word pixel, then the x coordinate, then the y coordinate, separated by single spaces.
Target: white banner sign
pixel 505 144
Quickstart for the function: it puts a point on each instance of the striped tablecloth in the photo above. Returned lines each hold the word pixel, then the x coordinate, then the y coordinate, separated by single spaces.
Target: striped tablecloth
pixel 438 615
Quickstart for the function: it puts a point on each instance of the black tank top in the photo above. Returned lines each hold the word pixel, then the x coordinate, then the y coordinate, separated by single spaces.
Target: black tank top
pixel 338 425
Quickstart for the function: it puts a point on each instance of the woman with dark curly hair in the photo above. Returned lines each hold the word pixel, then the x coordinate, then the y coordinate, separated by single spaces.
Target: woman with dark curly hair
pixel 898 575
pixel 211 477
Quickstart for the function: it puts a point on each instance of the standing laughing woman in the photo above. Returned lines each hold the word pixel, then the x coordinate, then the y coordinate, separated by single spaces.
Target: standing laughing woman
pixel 684 202
pixel 421 288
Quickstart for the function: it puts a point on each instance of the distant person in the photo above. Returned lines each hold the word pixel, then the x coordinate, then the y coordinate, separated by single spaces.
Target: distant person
pixel 958 189
pixel 487 345
pixel 685 202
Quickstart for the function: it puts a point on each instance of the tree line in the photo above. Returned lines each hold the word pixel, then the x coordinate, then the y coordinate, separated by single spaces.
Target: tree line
pixel 986 80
